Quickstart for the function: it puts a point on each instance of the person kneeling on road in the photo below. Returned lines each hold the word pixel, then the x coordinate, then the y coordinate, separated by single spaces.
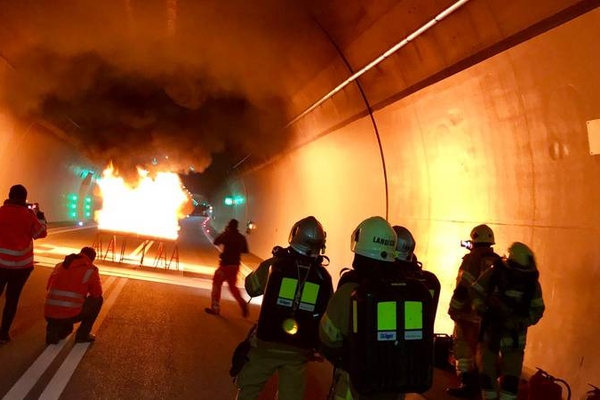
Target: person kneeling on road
pixel 74 294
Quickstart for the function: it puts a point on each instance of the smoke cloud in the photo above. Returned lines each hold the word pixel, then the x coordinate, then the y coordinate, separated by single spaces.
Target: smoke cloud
pixel 149 82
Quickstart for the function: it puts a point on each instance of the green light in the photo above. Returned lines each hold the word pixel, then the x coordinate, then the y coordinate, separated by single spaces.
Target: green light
pixel 73 214
pixel 87 214
pixel 228 201
pixel 88 199
pixel 238 200
pixel 87 206
pixel 73 205
pixel 73 197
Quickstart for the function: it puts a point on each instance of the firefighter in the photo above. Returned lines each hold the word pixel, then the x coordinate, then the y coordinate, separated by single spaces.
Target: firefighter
pixel 374 246
pixel 234 244
pixel 508 298
pixel 466 322
pixel 19 226
pixel 408 264
pixel 74 294
pixel 296 288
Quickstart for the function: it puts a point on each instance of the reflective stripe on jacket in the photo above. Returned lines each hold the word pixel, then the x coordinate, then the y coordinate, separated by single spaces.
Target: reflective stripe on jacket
pixel 511 293
pixel 256 281
pixel 67 288
pixel 18 228
pixel 335 324
pixel 472 266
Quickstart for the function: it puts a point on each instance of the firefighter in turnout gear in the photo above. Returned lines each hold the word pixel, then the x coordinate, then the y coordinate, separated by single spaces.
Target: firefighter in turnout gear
pixel 296 288
pixel 466 321
pixel 374 245
pixel 20 225
pixel 508 297
pixel 74 295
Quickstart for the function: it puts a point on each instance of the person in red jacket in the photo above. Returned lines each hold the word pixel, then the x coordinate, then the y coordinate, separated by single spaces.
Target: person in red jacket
pixel 74 295
pixel 19 226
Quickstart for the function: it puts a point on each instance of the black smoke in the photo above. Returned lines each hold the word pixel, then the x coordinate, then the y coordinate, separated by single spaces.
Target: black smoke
pixel 133 83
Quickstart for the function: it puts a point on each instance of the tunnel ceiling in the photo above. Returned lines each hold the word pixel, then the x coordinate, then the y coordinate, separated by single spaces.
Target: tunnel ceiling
pixel 134 80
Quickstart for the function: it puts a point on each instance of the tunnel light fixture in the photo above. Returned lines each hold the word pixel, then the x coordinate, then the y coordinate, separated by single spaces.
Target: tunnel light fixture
pixel 382 57
pixel 234 200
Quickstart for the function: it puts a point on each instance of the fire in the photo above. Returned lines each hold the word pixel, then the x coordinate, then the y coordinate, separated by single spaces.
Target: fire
pixel 150 207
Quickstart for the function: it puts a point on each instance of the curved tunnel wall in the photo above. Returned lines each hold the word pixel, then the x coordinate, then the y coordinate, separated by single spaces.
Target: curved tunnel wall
pixel 503 142
pixel 50 168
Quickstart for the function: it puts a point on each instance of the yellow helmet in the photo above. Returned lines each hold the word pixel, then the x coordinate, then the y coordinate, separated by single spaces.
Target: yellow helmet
pixel 374 238
pixel 522 255
pixel 482 234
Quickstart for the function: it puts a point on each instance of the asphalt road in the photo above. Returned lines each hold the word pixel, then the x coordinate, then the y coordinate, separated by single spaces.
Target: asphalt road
pixel 154 341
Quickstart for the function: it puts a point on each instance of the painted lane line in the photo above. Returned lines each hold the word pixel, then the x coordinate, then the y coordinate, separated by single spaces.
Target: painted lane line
pixel 40 365
pixel 63 375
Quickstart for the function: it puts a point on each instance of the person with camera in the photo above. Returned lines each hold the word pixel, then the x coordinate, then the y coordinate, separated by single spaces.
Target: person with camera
pixel 19 227
pixel 481 256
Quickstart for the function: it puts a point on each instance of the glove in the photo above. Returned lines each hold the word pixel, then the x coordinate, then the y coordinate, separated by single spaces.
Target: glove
pixel 40 215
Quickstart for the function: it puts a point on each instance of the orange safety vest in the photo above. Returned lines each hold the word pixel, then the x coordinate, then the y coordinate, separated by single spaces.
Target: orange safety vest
pixel 68 288
pixel 18 227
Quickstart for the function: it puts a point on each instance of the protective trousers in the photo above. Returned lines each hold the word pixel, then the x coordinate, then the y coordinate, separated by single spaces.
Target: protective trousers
pixel 501 349
pixel 466 337
pixel 226 273
pixel 263 362
pixel 341 389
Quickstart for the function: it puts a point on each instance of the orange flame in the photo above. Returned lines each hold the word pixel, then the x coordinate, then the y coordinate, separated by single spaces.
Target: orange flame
pixel 151 207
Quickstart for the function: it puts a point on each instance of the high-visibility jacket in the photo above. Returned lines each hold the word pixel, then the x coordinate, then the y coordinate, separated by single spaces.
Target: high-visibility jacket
pixel 19 226
pixel 69 284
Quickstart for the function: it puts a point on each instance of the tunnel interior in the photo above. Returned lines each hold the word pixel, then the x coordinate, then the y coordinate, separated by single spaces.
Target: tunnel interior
pixel 436 115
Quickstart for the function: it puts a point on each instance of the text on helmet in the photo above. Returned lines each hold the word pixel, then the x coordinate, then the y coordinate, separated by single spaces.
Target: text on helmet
pixel 385 242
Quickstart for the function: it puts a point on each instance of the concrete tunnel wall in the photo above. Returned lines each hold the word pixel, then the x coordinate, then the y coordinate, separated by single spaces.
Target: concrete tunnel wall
pixel 33 155
pixel 503 142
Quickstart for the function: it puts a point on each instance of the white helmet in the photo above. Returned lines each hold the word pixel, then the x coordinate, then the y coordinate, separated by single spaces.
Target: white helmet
pixel 405 245
pixel 307 237
pixel 374 238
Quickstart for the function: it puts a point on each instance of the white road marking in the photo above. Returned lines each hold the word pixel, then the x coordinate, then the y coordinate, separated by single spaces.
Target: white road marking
pixel 63 375
pixel 35 371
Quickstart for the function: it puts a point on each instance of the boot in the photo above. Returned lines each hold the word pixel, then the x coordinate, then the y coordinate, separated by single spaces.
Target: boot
pixel 469 387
